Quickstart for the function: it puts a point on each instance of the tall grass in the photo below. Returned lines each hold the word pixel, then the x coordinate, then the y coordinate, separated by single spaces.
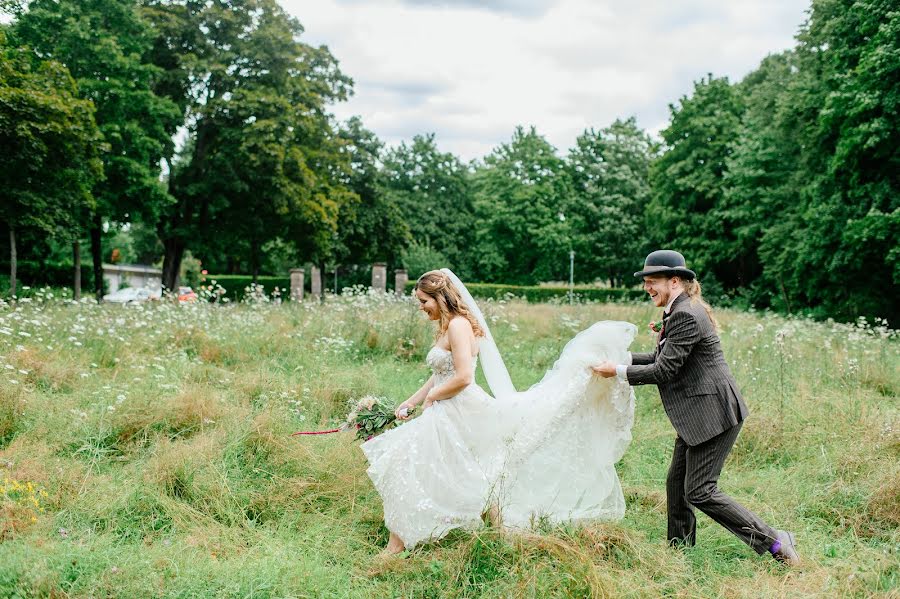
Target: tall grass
pixel 155 441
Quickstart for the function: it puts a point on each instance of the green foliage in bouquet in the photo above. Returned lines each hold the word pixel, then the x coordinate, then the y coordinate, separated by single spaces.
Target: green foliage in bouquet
pixel 371 416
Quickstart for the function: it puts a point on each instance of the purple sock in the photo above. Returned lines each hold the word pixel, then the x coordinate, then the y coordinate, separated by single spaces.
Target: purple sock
pixel 775 548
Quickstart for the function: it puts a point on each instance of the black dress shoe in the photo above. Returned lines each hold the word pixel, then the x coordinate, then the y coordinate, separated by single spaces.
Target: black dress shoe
pixel 787 553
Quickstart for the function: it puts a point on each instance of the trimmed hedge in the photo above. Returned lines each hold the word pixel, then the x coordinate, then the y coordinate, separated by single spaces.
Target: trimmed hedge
pixel 36 275
pixel 537 294
pixel 39 274
pixel 234 285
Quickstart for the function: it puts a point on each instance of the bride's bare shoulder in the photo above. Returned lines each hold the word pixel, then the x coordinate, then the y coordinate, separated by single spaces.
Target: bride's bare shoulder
pixel 460 334
pixel 460 324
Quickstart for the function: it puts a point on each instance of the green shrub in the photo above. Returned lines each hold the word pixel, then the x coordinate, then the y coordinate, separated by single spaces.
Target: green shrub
pixel 37 274
pixel 537 294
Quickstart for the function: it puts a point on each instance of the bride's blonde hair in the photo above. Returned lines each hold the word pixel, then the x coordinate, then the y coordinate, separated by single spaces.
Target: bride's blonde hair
pixel 437 285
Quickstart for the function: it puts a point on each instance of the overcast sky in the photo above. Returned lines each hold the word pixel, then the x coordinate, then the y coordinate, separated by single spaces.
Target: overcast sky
pixel 471 70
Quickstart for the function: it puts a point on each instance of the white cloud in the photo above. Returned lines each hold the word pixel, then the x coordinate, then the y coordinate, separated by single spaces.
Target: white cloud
pixel 523 8
pixel 471 70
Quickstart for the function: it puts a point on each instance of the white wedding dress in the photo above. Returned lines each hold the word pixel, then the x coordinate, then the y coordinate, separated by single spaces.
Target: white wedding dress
pixel 546 454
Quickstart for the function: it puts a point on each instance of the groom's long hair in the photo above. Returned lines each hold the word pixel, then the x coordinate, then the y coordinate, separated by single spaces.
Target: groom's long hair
pixel 438 285
pixel 695 292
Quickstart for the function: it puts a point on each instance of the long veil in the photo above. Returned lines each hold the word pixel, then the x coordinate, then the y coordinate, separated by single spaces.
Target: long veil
pixel 491 361
pixel 562 436
pixel 546 454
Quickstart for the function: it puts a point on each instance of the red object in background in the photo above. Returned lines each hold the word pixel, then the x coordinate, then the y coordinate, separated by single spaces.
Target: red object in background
pixel 186 295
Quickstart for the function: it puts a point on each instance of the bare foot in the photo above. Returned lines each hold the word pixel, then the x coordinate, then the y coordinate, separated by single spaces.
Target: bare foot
pixel 389 559
pixel 394 547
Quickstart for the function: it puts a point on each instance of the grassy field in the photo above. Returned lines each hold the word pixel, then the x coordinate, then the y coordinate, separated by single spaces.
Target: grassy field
pixel 145 451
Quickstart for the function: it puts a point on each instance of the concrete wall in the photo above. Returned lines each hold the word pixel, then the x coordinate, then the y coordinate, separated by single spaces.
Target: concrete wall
pixel 132 275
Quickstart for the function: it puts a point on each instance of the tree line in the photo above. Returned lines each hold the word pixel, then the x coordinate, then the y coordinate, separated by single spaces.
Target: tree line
pixel 781 189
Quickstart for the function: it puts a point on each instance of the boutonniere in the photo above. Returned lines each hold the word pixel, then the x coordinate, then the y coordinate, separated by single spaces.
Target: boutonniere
pixel 656 326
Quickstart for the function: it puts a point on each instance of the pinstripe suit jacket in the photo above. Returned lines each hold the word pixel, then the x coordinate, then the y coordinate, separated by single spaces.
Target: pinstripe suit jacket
pixel 698 391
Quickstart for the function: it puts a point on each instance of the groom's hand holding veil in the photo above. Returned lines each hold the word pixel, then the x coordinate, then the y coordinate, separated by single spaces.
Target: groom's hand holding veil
pixel 605 369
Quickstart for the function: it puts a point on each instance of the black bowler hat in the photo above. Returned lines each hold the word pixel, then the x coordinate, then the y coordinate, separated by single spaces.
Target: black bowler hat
pixel 666 262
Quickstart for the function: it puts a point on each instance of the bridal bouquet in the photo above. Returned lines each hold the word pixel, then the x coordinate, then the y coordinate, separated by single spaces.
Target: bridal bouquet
pixel 370 416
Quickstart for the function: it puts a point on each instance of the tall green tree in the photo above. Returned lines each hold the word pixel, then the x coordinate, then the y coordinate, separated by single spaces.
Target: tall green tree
pixel 434 193
pixel 610 172
pixel 812 183
pixel 523 201
pixel 688 179
pixel 264 159
pixel 764 177
pixel 372 229
pixel 846 114
pixel 103 44
pixel 50 142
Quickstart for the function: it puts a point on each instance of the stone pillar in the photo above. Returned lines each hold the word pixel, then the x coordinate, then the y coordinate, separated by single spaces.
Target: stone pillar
pixel 400 280
pixel 316 282
pixel 297 284
pixel 379 277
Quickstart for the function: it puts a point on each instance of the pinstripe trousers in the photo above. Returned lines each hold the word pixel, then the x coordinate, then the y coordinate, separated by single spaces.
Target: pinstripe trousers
pixel 693 481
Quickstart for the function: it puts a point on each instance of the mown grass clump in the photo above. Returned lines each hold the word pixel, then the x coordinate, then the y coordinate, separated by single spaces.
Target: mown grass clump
pixel 156 440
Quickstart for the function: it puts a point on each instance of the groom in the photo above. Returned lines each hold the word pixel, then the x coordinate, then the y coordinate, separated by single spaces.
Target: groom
pixel 703 403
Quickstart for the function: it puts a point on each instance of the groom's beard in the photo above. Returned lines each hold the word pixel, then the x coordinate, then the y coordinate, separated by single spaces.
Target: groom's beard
pixel 660 300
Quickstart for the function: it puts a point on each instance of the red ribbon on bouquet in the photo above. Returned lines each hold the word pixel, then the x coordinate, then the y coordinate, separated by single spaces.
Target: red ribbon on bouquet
pixel 334 430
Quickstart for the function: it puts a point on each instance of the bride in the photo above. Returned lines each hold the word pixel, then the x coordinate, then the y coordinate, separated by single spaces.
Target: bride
pixel 545 454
